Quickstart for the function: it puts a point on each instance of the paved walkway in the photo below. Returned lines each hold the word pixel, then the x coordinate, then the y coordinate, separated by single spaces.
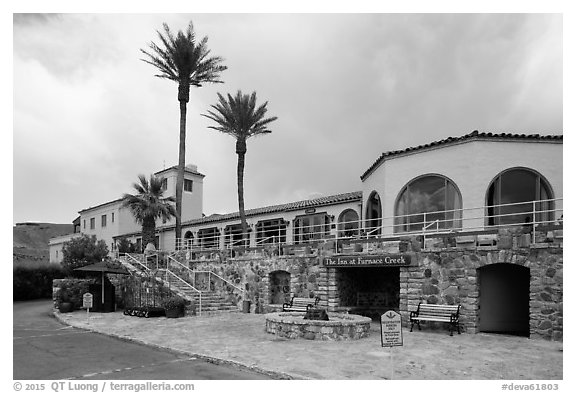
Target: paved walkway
pixel 240 339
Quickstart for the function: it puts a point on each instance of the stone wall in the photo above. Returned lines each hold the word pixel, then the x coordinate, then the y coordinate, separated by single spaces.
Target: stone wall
pixel 451 277
pixel 253 275
pixel 443 271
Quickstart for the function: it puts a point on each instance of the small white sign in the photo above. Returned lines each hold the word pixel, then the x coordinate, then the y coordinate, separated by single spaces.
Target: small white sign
pixel 87 300
pixel 391 329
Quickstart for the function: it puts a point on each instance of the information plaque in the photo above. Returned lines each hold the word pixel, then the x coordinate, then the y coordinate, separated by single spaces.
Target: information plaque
pixel 391 329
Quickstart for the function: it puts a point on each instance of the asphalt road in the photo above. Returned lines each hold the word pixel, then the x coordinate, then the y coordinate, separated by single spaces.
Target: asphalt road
pixel 44 349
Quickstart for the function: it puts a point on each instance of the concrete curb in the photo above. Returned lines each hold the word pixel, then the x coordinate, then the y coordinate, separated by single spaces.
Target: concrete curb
pixel 207 358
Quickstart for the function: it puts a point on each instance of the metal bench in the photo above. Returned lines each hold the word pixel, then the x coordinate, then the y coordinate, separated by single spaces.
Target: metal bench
pixel 300 304
pixel 436 313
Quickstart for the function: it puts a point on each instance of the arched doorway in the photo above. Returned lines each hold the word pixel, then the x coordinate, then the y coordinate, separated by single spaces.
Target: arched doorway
pixel 373 215
pixel 504 299
pixel 279 284
pixel 188 239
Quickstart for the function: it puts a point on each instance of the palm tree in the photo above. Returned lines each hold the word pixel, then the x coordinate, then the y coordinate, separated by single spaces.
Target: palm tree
pixel 184 60
pixel 239 118
pixel 148 205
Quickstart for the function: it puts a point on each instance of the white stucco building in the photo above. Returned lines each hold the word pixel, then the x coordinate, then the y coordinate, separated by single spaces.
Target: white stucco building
pixel 472 182
pixel 464 177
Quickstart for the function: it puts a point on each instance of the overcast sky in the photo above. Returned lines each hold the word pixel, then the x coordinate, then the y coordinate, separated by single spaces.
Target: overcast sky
pixel 89 115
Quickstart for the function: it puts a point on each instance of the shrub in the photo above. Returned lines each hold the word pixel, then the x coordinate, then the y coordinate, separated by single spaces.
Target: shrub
pixel 82 251
pixel 126 246
pixel 35 281
pixel 174 303
pixel 72 291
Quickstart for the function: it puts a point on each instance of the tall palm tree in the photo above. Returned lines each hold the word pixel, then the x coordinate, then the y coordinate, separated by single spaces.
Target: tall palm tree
pixel 185 60
pixel 239 118
pixel 148 205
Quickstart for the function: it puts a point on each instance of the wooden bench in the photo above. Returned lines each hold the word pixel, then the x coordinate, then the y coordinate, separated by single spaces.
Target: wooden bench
pixel 436 313
pixel 300 304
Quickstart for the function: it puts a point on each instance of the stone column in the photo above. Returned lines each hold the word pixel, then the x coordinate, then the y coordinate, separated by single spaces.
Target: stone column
pixel 323 287
pixel 333 295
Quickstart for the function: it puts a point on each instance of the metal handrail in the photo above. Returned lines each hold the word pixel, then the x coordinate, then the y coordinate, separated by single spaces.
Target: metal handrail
pixel 221 278
pixel 191 287
pixel 194 272
pixel 137 261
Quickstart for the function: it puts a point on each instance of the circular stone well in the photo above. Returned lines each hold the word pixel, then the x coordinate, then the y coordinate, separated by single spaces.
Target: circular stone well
pixel 339 327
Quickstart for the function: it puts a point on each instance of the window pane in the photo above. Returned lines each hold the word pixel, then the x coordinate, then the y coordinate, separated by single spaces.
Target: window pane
pixel 423 205
pixel 348 225
pixel 520 187
pixel 516 186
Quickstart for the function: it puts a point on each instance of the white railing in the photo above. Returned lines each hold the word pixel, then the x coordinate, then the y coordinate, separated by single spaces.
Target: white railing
pixel 211 273
pixel 529 215
pixel 172 274
pixel 192 274
pixel 135 261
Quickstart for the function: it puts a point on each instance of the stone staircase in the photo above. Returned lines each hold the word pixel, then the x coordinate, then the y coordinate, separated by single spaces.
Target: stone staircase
pixel 212 302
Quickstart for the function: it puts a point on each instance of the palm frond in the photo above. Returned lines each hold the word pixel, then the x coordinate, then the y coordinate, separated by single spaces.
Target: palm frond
pixel 239 116
pixel 183 59
pixel 149 200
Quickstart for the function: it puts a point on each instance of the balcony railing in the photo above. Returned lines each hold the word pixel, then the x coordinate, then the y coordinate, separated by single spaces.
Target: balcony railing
pixel 528 215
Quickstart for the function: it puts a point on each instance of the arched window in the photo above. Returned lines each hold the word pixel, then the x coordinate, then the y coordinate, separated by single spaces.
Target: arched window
pixel 428 202
pixel 373 214
pixel 518 196
pixel 348 225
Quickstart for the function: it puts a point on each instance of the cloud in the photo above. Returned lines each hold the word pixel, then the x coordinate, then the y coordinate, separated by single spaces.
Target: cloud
pixel 90 116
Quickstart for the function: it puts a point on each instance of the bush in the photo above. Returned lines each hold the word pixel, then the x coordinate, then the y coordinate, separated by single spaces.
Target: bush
pixel 82 251
pixel 126 246
pixel 72 291
pixel 174 303
pixel 35 281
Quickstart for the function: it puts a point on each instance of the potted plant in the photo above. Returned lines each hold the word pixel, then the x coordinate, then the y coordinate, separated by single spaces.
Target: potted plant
pixel 174 306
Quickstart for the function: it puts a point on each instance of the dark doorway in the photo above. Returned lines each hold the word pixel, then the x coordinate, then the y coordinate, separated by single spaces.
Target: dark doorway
pixel 279 287
pixel 369 291
pixel 504 300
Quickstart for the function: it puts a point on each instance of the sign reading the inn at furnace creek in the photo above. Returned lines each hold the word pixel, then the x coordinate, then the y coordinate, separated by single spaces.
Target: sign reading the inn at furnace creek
pixel 367 260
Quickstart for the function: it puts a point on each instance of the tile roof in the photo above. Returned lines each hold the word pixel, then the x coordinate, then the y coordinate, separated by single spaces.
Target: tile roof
pixel 473 135
pixel 286 207
pixel 186 169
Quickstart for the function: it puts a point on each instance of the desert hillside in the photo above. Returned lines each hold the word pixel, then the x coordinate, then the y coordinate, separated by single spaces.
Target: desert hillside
pixel 30 240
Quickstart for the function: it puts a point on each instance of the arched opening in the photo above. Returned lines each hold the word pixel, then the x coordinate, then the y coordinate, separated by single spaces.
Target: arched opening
pixel 279 284
pixel 504 299
pixel 188 239
pixel 429 201
pixel 373 215
pixel 348 224
pixel 519 196
pixel 209 238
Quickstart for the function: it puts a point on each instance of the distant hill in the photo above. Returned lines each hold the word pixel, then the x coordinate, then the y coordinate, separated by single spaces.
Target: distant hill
pixel 30 240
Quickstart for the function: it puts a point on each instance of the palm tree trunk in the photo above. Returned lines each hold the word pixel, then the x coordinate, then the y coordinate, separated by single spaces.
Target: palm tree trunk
pixel 241 151
pixel 148 232
pixel 183 95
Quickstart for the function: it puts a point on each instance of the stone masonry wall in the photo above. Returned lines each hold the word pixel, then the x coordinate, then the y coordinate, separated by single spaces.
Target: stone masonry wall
pixel 451 277
pixel 252 275
pixel 444 272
